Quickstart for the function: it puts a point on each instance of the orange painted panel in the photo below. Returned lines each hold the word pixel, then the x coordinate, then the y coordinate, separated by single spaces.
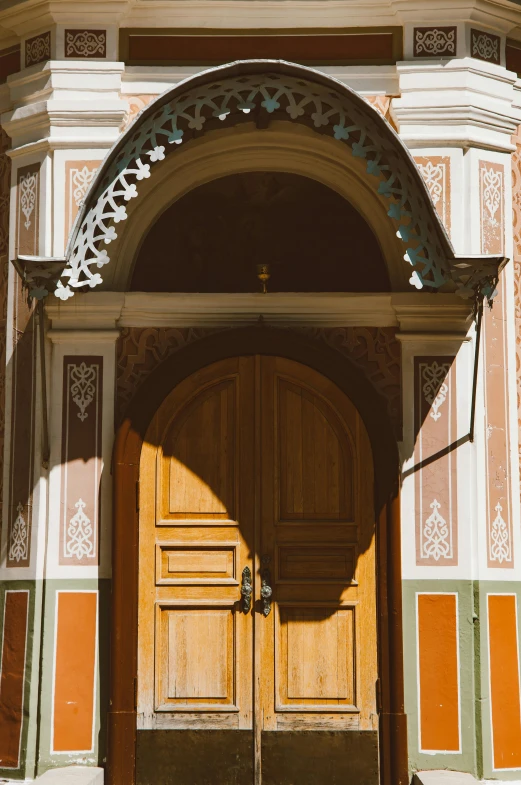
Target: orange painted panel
pixel 75 671
pixel 438 672
pixel 504 681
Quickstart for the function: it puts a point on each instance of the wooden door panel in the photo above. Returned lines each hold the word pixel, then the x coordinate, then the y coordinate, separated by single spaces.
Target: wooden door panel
pixel 196 536
pixel 199 458
pixel 178 564
pixel 310 563
pixel 316 462
pixel 259 463
pixel 316 659
pixel 195 658
pixel 339 533
pixel 318 531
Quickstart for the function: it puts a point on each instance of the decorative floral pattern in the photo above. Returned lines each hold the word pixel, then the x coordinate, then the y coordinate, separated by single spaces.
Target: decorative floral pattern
pixel 38 49
pixel 433 176
pixel 232 100
pixel 436 469
pixel 435 171
pixel 28 185
pixel 434 387
pixel 485 46
pixel 500 538
pixel 85 43
pixel 79 541
pixel 83 387
pixel 496 395
pixel 493 190
pixel 491 183
pixel 19 544
pixel 435 41
pixel 436 542
pixel 516 218
pixel 81 180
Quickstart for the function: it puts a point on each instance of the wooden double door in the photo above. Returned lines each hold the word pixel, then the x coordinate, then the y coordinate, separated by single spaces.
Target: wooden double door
pixel 257 654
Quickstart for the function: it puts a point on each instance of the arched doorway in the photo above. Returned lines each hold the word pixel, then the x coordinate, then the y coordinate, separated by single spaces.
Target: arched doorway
pixel 256 480
pixel 327 391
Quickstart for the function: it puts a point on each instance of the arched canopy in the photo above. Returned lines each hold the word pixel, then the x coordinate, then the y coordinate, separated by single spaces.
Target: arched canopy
pixel 259 93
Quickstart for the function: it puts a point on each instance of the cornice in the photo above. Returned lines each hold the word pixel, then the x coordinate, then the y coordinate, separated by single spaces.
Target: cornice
pixel 33 124
pixel 464 103
pixel 24 16
pixel 51 69
pixel 440 314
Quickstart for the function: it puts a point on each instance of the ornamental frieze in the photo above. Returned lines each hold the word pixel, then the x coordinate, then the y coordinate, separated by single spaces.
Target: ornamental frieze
pixel 375 350
pixel 435 41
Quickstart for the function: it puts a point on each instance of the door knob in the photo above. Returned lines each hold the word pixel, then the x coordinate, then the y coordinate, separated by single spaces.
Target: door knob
pixel 266 590
pixel 246 589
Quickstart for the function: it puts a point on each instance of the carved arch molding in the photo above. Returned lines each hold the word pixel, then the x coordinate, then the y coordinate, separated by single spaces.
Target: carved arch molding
pixel 374 350
pixel 262 91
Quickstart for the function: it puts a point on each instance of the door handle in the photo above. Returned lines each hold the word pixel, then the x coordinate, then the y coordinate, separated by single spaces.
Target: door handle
pixel 266 590
pixel 246 590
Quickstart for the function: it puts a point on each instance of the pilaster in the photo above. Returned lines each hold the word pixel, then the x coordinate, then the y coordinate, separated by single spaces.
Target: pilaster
pixel 457 111
pixel 78 562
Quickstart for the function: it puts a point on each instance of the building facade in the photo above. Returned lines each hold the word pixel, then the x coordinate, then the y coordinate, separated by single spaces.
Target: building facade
pixel 260 367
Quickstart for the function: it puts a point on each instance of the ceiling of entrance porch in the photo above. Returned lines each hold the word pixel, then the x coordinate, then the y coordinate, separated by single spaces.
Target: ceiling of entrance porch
pixel 215 238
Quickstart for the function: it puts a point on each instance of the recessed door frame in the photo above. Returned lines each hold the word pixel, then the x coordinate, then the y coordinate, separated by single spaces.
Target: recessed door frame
pixel 127 450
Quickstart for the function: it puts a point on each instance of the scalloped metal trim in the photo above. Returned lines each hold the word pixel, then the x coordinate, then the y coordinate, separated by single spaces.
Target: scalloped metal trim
pixel 241 98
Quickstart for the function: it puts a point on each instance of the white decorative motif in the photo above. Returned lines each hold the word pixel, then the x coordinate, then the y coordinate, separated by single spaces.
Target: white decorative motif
pixel 83 387
pixel 28 184
pixel 79 542
pixel 435 41
pixel 168 121
pixel 85 43
pixel 500 537
pixel 435 388
pixel 19 545
pixel 436 535
pixel 81 179
pixel 492 190
pixel 485 47
pixel 434 176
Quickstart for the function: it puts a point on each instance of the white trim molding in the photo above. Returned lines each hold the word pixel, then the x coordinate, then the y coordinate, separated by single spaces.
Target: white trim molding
pixel 98 314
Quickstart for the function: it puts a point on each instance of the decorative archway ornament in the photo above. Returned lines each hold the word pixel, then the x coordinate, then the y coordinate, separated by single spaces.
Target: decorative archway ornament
pixel 262 91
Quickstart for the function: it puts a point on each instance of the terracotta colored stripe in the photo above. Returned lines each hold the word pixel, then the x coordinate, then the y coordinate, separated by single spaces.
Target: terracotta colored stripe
pixel 12 677
pixel 75 671
pixel 438 666
pixel 227 48
pixel 504 681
